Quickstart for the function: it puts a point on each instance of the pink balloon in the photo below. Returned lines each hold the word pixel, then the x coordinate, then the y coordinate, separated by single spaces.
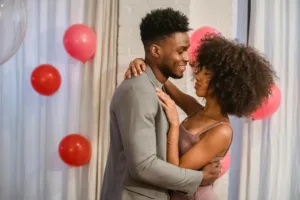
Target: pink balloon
pixel 80 42
pixel 196 37
pixel 270 106
pixel 200 33
pixel 192 52
pixel 225 163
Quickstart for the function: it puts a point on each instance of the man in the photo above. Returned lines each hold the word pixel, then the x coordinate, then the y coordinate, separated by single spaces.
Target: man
pixel 136 166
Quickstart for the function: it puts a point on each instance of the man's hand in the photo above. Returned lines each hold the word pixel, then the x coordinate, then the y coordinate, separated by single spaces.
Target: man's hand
pixel 211 172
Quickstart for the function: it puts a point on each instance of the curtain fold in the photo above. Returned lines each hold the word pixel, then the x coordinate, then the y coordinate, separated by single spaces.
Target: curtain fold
pixel 99 83
pixel 269 154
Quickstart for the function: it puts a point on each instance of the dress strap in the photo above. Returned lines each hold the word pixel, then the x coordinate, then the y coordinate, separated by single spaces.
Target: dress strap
pixel 213 126
pixel 230 140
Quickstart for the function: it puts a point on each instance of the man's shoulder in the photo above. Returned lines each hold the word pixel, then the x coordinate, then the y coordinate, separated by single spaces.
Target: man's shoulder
pixel 135 90
pixel 138 83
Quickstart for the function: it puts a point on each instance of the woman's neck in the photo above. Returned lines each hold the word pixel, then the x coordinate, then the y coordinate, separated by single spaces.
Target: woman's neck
pixel 213 109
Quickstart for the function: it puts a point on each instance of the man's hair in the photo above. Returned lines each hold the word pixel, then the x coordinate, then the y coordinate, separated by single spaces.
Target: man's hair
pixel 161 23
pixel 242 78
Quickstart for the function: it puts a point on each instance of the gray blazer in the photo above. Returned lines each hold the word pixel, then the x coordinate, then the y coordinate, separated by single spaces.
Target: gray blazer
pixel 136 167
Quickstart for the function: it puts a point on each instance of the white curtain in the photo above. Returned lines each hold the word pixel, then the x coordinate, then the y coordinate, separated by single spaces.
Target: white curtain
pixel 99 83
pixel 31 126
pixel 268 156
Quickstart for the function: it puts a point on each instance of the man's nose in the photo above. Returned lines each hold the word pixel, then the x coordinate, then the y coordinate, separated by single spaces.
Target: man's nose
pixel 186 57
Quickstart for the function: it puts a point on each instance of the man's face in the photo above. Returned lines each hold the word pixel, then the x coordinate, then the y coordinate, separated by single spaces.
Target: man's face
pixel 174 55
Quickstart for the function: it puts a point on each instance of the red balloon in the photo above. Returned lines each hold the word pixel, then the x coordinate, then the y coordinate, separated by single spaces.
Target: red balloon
pixel 270 105
pixel 80 42
pixel 45 79
pixel 75 150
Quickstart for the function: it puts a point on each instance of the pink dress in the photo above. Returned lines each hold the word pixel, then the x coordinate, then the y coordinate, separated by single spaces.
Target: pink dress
pixel 186 141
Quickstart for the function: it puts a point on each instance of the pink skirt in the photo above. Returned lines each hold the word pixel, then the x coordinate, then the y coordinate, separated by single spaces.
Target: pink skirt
pixel 202 193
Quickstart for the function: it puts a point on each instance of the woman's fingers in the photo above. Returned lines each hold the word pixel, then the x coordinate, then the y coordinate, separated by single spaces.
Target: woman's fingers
pixel 164 97
pixel 133 70
pixel 127 74
pixel 139 68
pixel 163 104
pixel 143 66
pixel 161 97
pixel 139 64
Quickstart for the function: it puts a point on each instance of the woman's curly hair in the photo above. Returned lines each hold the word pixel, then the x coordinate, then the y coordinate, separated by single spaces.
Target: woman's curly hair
pixel 242 78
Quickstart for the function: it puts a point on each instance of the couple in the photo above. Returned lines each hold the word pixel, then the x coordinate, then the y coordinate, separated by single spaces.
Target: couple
pixel 152 155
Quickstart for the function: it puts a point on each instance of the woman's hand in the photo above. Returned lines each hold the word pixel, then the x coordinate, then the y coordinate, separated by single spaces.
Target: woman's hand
pixel 137 66
pixel 169 106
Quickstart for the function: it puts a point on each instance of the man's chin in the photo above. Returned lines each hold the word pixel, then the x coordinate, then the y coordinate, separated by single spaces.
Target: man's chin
pixel 176 76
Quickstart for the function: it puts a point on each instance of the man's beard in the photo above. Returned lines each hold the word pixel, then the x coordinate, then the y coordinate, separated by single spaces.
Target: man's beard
pixel 167 72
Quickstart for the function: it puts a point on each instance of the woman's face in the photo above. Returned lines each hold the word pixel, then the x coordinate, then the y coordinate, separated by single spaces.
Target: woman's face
pixel 202 79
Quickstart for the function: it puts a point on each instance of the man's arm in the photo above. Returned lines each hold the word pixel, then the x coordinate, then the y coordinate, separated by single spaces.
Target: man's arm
pixel 136 119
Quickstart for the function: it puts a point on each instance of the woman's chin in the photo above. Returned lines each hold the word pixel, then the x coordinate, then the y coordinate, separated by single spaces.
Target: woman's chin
pixel 199 94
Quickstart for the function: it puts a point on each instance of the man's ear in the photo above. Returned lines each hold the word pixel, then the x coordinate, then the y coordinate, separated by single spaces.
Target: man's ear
pixel 155 50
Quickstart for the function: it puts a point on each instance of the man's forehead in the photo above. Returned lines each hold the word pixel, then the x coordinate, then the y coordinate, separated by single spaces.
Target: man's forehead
pixel 178 39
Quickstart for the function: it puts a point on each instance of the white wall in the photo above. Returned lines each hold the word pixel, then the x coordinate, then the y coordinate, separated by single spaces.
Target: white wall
pixel 220 14
pixel 215 13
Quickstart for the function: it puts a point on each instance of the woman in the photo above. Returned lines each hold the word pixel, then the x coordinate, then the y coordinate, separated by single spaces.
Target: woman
pixel 234 79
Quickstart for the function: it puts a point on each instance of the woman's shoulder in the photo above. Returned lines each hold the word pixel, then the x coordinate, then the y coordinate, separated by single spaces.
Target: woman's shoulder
pixel 222 131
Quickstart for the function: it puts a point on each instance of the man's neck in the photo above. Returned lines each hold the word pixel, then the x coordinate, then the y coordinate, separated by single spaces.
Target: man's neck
pixel 156 71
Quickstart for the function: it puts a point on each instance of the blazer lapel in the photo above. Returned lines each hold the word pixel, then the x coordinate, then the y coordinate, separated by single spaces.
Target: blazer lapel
pixel 152 78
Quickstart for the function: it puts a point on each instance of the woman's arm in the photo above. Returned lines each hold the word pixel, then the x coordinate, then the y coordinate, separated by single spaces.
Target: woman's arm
pixel 209 147
pixel 173 134
pixel 202 153
pixel 172 145
pixel 186 102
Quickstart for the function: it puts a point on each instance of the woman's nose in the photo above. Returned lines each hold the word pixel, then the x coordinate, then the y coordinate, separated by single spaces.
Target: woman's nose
pixel 198 76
